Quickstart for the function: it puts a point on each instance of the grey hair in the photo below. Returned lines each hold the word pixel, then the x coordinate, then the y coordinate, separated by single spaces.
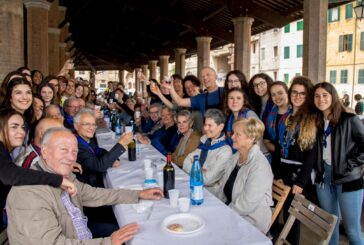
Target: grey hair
pixel 216 115
pixel 68 101
pixel 51 106
pixel 158 106
pixel 173 112
pixel 77 117
pixel 49 132
pixel 185 113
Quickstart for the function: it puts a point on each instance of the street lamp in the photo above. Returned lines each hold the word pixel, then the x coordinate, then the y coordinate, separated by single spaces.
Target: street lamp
pixel 359 10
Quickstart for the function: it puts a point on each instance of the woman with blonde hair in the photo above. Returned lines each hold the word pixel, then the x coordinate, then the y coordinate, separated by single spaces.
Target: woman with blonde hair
pixel 246 185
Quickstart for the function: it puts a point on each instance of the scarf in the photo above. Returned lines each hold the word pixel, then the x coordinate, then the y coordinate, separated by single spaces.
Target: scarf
pixel 95 150
pixel 288 138
pixel 268 108
pixel 271 123
pixel 68 119
pixel 326 134
pixel 206 147
pixel 229 126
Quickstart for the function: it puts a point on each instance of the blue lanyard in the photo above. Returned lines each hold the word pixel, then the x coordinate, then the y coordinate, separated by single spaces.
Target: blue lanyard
pixel 326 134
pixel 95 151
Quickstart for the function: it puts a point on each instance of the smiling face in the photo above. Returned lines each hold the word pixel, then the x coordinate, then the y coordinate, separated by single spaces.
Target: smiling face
pixel 55 84
pixel 298 95
pixel 233 82
pixel 167 117
pixel 240 139
pixel 47 94
pixel 191 89
pixel 21 97
pixel 54 112
pixel 177 84
pixel 86 128
pixel 37 78
pixel 260 87
pixel 208 78
pixel 15 131
pixel 235 101
pixel 38 108
pixel 183 124
pixel 323 100
pixel 211 129
pixel 60 152
pixel 70 89
pixel 279 95
pixel 79 92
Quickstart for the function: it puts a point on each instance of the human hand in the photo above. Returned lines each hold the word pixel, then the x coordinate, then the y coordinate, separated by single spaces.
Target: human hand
pixel 69 186
pixel 125 139
pixel 124 234
pixel 151 194
pixel 77 168
pixel 155 89
pixel 296 189
pixel 116 164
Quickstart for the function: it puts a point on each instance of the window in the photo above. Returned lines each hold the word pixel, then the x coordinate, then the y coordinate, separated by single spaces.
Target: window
pixel 361 40
pixel 286 77
pixel 361 76
pixel 287 28
pixel 344 76
pixel 263 53
pixel 275 49
pixel 300 25
pixel 345 42
pixel 299 50
pixel 286 52
pixel 334 14
pixel 254 46
pixel 349 11
pixel 333 77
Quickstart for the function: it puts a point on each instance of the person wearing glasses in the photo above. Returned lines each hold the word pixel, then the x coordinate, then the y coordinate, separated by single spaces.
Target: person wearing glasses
pixel 259 97
pixel 236 79
pixel 70 107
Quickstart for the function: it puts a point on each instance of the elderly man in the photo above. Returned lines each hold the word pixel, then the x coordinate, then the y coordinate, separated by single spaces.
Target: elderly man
pixel 47 215
pixel 71 106
pixel 149 126
pixel 53 111
pixel 205 101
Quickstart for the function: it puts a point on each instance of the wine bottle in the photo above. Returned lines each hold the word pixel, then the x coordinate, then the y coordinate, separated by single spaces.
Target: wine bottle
pixel 196 183
pixel 132 146
pixel 168 176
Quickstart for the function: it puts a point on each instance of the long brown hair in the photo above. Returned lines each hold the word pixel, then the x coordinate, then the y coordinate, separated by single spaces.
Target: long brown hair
pixel 246 104
pixel 5 115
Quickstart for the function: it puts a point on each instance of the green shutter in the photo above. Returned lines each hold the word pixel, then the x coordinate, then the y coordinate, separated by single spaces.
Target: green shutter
pixel 329 16
pixel 298 74
pixel 349 11
pixel 361 40
pixel 333 77
pixel 300 25
pixel 341 43
pixel 299 51
pixel 344 76
pixel 349 41
pixel 361 76
pixel 338 13
pixel 286 77
pixel 286 52
pixel 287 28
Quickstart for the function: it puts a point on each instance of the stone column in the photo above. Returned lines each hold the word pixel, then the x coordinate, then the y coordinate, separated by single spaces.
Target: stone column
pixel 12 38
pixel 53 38
pixel 37 34
pixel 314 39
pixel 163 64
pixel 242 35
pixel 137 81
pixel 62 45
pixel 144 84
pixel 153 69
pixel 203 52
pixel 122 77
pixel 180 57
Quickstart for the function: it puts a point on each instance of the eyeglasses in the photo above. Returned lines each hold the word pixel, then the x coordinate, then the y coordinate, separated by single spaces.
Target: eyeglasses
pixel 88 125
pixel 233 81
pixel 299 94
pixel 260 84
pixel 153 112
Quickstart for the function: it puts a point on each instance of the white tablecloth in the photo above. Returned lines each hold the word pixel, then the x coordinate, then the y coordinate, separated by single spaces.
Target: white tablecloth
pixel 223 225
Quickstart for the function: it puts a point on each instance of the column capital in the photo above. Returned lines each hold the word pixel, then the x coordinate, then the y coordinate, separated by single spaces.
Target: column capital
pixel 180 50
pixel 53 30
pixel 239 20
pixel 153 62
pixel 164 57
pixel 37 4
pixel 203 39
pixel 144 66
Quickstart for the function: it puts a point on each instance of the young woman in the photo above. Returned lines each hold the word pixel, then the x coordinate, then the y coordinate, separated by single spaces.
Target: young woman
pixel 86 93
pixel 79 90
pixel 259 97
pixel 12 133
pixel 191 85
pixel 38 107
pixel 339 175
pixel 236 79
pixel 4 84
pixel 37 78
pixel 46 91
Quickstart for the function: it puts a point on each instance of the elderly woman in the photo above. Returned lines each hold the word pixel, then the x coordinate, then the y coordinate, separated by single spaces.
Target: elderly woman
pixel 247 183
pixel 189 140
pixel 213 150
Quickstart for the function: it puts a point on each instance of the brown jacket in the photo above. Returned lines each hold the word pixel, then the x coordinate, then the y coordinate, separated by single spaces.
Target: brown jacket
pixel 37 215
pixel 192 143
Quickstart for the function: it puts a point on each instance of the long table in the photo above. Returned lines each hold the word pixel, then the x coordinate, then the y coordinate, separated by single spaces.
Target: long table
pixel 222 224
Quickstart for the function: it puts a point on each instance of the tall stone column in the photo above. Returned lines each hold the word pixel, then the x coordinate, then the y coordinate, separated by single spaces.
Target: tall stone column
pixel 242 35
pixel 180 58
pixel 62 44
pixel 314 39
pixel 137 81
pixel 144 84
pixel 163 64
pixel 53 38
pixel 12 38
pixel 153 69
pixel 203 52
pixel 37 34
pixel 122 77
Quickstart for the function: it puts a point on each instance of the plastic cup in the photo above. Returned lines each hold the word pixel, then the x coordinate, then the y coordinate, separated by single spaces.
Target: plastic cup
pixel 137 114
pixel 173 197
pixel 128 129
pixel 148 173
pixel 147 163
pixel 184 204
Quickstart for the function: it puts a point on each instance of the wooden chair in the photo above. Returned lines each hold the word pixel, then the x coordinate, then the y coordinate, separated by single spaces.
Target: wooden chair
pixel 4 238
pixel 313 217
pixel 280 194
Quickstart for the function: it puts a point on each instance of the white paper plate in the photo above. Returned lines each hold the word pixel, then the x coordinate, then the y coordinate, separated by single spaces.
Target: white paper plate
pixel 190 223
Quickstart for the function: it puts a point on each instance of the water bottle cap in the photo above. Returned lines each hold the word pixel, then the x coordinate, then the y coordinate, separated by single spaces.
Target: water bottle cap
pixel 195 157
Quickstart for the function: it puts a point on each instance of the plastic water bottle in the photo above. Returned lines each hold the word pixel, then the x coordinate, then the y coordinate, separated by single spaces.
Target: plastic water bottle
pixel 196 183
pixel 118 125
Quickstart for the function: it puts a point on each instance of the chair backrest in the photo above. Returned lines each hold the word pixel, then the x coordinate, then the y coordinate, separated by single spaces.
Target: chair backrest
pixel 313 217
pixel 280 193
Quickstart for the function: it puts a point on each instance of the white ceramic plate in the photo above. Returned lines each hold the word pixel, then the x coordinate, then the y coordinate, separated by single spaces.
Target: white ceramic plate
pixel 190 223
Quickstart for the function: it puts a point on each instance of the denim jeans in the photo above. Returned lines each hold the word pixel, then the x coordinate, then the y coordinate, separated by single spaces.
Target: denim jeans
pixel 348 204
